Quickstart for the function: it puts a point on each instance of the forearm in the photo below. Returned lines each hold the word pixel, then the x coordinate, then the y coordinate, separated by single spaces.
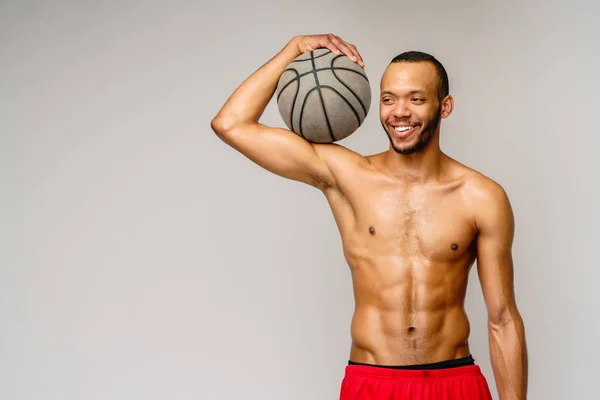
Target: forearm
pixel 508 355
pixel 249 100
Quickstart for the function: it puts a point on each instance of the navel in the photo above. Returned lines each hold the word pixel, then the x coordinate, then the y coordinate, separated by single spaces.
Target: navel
pixel 372 230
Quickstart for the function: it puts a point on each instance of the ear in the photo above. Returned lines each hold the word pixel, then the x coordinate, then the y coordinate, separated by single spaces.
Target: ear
pixel 447 106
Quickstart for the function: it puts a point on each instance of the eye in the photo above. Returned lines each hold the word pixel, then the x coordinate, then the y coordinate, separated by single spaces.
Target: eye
pixel 386 100
pixel 418 99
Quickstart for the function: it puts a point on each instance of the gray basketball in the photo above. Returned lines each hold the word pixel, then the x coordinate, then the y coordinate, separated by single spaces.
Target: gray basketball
pixel 323 97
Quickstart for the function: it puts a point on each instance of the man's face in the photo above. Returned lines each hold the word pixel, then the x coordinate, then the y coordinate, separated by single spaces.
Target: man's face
pixel 409 108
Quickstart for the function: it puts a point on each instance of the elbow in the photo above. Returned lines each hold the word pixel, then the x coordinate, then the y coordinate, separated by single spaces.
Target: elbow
pixel 225 127
pixel 498 319
pixel 220 126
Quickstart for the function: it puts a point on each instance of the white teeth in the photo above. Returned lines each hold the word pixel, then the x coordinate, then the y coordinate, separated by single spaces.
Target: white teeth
pixel 402 128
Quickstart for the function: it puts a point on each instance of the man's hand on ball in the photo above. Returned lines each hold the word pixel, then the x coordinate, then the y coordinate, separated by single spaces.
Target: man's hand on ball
pixel 334 43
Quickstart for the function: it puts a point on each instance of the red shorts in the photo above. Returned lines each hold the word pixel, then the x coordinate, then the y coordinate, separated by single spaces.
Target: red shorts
pixel 376 383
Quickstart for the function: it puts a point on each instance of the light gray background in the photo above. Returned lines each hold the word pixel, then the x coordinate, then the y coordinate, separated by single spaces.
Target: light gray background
pixel 144 259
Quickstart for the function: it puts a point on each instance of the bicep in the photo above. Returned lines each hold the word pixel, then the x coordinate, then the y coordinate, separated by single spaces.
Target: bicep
pixel 494 255
pixel 281 152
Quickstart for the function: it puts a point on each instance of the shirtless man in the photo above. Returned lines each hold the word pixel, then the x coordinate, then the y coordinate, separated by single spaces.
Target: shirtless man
pixel 412 222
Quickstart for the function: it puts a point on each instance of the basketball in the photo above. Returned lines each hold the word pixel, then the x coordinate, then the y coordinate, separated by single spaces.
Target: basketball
pixel 323 97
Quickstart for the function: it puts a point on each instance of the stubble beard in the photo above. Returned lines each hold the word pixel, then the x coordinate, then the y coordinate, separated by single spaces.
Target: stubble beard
pixel 424 137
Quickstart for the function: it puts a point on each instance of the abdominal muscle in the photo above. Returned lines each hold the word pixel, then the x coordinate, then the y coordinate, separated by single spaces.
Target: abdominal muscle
pixel 408 310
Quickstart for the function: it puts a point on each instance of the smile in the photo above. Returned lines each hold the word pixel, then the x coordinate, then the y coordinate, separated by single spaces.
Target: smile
pixel 403 128
pixel 404 131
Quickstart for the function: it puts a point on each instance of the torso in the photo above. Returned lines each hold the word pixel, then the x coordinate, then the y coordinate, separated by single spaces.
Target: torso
pixel 410 249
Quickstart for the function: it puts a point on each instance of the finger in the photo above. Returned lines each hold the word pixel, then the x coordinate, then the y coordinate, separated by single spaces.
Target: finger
pixel 359 58
pixel 361 62
pixel 350 50
pixel 333 44
pixel 344 48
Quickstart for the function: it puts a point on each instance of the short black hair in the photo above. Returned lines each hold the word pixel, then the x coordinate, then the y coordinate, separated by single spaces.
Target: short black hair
pixel 418 56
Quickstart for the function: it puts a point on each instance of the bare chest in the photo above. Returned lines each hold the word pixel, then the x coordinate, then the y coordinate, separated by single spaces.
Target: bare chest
pixel 433 224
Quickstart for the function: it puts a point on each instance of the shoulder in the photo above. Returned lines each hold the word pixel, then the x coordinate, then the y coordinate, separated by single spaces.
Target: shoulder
pixel 483 189
pixel 340 162
pixel 475 186
pixel 340 158
pixel 488 200
pixel 336 151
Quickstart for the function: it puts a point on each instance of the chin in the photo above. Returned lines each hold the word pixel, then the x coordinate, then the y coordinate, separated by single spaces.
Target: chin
pixel 404 147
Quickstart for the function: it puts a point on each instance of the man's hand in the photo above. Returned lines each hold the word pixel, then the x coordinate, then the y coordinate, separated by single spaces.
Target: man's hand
pixel 306 43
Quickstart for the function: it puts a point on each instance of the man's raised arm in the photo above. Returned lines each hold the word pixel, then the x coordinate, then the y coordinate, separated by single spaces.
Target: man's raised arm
pixel 278 150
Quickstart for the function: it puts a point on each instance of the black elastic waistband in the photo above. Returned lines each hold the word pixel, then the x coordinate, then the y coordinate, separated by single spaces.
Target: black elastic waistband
pixel 458 362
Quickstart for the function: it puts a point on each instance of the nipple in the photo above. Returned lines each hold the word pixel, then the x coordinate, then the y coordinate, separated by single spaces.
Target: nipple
pixel 454 246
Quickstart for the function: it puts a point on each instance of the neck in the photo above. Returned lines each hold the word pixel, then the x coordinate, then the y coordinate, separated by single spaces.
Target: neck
pixel 420 167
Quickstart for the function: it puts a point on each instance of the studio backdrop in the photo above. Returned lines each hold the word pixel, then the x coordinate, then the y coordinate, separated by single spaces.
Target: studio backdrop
pixel 142 258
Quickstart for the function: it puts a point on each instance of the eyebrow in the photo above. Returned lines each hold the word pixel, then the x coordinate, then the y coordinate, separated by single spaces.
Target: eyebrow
pixel 414 91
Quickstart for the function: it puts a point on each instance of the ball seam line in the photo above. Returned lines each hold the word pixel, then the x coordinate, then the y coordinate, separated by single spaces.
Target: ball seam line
pixel 316 75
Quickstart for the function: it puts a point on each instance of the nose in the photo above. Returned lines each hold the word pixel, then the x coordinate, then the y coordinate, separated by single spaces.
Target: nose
pixel 401 111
